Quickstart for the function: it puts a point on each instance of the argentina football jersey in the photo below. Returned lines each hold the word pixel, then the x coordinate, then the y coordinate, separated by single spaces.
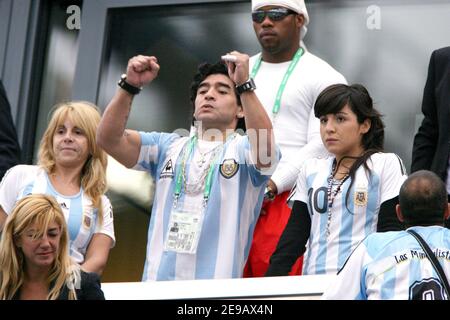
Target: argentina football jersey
pixel 81 217
pixel 392 265
pixel 336 231
pixel 226 222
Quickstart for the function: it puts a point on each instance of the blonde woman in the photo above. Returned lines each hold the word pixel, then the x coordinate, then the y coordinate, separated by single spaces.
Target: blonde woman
pixel 34 256
pixel 72 168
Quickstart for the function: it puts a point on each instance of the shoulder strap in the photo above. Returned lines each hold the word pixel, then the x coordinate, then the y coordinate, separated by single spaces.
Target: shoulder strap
pixel 437 266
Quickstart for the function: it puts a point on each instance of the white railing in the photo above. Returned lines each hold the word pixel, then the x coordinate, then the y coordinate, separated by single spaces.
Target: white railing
pixel 292 287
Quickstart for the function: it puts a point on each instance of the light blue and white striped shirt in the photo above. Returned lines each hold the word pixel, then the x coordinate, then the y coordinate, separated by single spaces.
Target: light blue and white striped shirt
pixel 352 222
pixel 392 265
pixel 229 218
pixel 81 217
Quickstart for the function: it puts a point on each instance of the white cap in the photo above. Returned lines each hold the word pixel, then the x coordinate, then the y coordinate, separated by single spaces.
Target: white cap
pixel 295 5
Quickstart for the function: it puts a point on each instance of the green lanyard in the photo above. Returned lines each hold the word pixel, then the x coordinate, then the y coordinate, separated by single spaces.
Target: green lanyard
pixel 187 150
pixel 277 104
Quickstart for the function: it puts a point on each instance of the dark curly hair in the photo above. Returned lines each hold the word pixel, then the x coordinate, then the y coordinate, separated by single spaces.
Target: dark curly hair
pixel 205 70
pixel 334 98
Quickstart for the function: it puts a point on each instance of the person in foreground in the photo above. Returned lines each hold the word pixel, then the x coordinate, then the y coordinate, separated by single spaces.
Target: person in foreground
pixel 340 200
pixel 34 256
pixel 392 265
pixel 209 186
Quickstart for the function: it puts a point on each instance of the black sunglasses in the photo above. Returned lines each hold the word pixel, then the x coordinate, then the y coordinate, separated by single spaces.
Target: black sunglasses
pixel 277 14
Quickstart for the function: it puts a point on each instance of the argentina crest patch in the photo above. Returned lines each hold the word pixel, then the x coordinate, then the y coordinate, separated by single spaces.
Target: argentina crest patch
pixel 361 198
pixel 86 221
pixel 228 168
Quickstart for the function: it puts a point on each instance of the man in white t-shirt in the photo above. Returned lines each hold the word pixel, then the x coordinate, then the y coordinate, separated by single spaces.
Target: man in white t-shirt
pixel 209 186
pixel 289 81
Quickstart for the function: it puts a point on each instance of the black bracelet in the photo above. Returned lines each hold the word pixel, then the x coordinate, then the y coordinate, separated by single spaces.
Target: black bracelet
pixel 128 87
pixel 248 85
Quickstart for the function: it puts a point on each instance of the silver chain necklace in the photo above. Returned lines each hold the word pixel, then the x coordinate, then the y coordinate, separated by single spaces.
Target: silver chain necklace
pixel 203 155
pixel 331 195
pixel 198 185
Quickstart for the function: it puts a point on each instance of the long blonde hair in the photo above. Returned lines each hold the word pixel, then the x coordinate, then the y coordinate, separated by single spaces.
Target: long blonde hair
pixel 41 210
pixel 86 116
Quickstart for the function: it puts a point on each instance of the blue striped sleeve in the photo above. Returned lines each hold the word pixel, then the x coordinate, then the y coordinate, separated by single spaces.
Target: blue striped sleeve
pixel 154 146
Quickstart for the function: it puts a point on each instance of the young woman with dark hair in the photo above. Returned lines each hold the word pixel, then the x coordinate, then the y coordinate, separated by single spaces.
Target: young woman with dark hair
pixel 340 200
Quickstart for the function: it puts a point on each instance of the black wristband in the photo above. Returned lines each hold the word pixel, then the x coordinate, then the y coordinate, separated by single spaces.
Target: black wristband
pixel 248 85
pixel 128 87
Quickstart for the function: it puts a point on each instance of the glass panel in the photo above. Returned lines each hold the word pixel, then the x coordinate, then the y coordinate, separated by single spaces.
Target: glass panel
pixel 384 45
pixel 59 69
pixel 180 37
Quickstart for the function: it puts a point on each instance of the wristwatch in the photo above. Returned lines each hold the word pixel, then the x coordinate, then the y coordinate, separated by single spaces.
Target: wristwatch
pixel 248 85
pixel 128 87
pixel 269 194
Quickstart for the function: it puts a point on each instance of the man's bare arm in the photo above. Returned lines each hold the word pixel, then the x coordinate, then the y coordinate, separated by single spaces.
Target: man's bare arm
pixel 124 145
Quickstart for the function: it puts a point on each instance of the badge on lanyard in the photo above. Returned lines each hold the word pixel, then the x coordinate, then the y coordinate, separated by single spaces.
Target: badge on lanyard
pixel 184 231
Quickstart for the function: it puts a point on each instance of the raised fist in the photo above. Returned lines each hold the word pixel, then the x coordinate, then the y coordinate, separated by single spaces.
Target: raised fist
pixel 142 70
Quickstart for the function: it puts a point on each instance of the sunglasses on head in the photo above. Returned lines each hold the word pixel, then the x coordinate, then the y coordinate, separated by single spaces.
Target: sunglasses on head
pixel 277 14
